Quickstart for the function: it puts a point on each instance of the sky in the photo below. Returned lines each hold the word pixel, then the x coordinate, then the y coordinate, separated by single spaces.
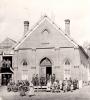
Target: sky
pixel 14 12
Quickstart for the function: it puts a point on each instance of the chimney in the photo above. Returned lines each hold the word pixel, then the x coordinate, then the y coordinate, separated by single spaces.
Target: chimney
pixel 26 26
pixel 67 26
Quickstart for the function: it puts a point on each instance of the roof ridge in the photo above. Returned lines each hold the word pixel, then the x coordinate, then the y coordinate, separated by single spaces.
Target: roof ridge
pixel 32 27
pixel 55 25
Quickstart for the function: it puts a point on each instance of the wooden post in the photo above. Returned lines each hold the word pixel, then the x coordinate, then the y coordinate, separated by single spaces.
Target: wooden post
pixel 0 79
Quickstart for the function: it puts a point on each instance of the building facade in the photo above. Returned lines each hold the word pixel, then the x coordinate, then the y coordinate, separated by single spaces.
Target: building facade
pixel 6 63
pixel 46 49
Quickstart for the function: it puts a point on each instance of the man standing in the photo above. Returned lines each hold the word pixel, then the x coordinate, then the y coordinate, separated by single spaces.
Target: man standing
pixel 53 78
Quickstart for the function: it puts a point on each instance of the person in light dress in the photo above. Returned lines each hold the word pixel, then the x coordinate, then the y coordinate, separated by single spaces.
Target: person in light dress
pixel 31 90
pixel 48 86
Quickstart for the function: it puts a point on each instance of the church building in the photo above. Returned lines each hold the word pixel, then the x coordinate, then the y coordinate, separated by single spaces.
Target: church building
pixel 47 49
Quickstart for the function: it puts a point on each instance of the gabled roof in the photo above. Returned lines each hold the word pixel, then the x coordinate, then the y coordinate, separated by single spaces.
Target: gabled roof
pixel 7 43
pixel 81 48
pixel 37 24
pixel 56 27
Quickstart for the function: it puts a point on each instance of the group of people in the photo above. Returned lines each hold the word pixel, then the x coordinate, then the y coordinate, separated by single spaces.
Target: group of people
pixel 51 84
pixel 6 63
pixel 65 85
pixel 42 81
pixel 23 86
pixel 55 85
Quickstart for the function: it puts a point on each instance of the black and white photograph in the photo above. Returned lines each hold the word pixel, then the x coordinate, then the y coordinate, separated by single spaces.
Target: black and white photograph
pixel 44 49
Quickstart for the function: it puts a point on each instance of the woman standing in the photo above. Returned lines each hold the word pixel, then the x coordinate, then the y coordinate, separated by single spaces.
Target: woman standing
pixel 31 90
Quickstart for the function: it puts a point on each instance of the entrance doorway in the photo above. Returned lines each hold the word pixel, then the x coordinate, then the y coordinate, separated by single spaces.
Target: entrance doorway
pixel 45 67
pixel 49 71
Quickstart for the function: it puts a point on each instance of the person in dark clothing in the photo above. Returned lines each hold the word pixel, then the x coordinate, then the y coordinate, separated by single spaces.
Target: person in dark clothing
pixel 47 78
pixel 4 63
pixel 33 80
pixel 53 78
pixel 42 81
pixel 75 84
pixel 37 80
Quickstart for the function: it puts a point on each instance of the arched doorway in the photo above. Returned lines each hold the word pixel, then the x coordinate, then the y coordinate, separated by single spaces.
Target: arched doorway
pixel 45 67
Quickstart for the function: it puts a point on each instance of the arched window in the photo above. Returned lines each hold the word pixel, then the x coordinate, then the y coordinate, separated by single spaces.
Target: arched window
pixel 67 69
pixel 24 62
pixel 45 34
pixel 67 62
